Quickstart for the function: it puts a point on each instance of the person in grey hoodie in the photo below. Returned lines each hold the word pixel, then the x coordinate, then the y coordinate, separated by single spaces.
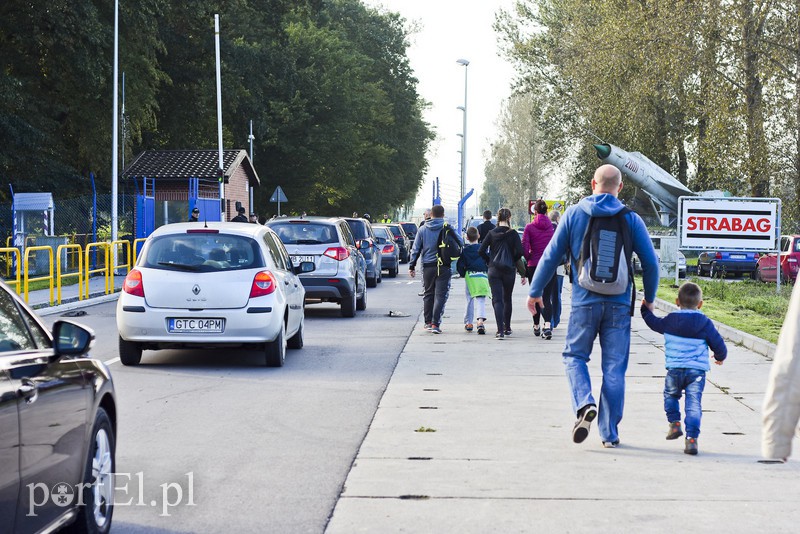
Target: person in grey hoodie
pixel 436 271
pixel 593 314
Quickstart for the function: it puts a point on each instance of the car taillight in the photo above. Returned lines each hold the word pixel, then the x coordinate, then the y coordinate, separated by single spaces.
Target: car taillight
pixel 133 284
pixel 337 253
pixel 263 284
pixel 718 255
pixel 388 249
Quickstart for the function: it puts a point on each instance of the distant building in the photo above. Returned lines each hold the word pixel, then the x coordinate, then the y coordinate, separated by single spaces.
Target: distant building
pixel 170 183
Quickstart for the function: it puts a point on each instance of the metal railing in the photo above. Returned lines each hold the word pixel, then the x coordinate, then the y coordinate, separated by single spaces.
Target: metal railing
pixel 27 279
pixel 9 251
pixel 79 273
pixel 106 248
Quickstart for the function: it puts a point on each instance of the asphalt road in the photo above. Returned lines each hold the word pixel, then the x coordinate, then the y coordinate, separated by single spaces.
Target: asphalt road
pixel 237 447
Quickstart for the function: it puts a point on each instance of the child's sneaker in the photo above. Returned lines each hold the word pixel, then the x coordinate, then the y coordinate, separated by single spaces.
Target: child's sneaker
pixel 674 430
pixel 691 446
pixel 468 327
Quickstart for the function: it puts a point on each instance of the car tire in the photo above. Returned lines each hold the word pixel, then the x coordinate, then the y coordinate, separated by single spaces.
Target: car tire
pixel 714 272
pixel 372 282
pixel 276 350
pixel 95 515
pixel 130 352
pixel 296 341
pixel 380 276
pixel 393 270
pixel 349 305
pixel 700 271
pixel 361 303
pixel 757 275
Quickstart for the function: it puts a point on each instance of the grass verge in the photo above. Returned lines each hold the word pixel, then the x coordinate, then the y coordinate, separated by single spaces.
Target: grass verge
pixel 746 305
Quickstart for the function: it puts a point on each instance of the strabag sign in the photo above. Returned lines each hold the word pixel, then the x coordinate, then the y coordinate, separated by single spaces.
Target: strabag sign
pixel 729 223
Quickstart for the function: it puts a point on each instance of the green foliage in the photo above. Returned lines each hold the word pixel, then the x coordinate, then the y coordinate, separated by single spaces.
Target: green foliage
pixel 707 89
pixel 337 119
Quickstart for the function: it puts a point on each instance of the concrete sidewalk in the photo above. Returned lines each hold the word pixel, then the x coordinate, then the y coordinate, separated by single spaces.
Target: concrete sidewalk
pixel 499 455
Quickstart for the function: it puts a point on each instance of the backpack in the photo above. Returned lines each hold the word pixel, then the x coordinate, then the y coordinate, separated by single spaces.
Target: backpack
pixel 605 263
pixel 448 247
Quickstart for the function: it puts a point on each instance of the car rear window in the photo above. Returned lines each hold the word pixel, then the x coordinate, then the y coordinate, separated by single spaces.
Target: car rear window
pixel 305 233
pixel 395 230
pixel 203 253
pixel 359 229
pixel 410 228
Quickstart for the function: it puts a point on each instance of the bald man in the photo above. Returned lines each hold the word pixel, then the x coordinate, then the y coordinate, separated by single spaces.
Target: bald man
pixel 593 314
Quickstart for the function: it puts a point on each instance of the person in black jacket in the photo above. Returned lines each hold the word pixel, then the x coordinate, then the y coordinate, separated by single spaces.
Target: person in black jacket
pixel 504 250
pixel 240 217
pixel 486 226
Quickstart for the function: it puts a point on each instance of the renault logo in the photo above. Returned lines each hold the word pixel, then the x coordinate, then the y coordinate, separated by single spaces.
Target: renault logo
pixel 196 289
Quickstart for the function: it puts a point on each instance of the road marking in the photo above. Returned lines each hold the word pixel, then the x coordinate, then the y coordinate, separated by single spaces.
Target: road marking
pixel 112 360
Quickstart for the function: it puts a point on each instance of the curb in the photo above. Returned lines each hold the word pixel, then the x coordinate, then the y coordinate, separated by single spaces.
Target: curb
pixel 74 303
pixel 737 337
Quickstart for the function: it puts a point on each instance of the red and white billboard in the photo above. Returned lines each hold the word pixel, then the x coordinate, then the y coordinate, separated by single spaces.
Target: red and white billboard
pixel 710 223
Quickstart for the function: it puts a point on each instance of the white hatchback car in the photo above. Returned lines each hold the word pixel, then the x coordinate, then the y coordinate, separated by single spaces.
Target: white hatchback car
pixel 212 285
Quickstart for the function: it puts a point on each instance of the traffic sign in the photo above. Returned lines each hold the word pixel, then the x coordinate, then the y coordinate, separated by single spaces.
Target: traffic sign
pixel 278 196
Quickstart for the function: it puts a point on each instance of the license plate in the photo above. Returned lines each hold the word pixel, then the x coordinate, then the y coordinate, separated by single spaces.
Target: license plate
pixel 738 256
pixel 195 326
pixel 297 260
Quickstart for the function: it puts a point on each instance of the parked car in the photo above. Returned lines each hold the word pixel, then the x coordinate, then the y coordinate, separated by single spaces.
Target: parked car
pixel 366 244
pixel 411 230
pixel 216 285
pixel 401 240
pixel 58 425
pixel 390 253
pixel 767 267
pixel 340 269
pixel 719 263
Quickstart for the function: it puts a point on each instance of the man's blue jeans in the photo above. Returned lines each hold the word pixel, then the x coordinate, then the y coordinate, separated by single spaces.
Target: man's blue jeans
pixel 693 382
pixel 612 323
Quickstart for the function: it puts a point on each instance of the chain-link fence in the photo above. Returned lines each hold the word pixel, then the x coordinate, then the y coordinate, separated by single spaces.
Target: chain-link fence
pixel 77 220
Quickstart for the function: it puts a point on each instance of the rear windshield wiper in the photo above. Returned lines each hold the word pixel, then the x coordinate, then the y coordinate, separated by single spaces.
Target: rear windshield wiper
pixel 308 242
pixel 185 267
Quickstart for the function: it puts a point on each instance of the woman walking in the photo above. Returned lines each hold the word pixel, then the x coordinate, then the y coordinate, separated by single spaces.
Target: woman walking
pixel 504 249
pixel 534 240
pixel 560 272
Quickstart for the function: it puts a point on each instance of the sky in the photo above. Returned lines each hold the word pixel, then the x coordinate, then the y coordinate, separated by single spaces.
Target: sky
pixel 448 30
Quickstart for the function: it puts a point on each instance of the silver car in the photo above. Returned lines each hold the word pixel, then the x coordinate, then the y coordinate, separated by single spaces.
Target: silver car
pixel 212 285
pixel 340 269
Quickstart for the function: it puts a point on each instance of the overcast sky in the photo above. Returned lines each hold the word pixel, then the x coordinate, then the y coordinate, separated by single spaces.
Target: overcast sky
pixel 448 30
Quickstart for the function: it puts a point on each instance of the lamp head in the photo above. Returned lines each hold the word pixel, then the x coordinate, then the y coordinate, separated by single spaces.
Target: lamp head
pixel 464 62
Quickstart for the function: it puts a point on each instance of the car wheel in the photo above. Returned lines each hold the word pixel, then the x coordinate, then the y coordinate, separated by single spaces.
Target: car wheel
pixel 130 352
pixel 296 341
pixel 98 485
pixel 714 272
pixel 361 303
pixel 757 275
pixel 700 271
pixel 276 350
pixel 349 305
pixel 372 282
pixel 380 276
pixel 393 271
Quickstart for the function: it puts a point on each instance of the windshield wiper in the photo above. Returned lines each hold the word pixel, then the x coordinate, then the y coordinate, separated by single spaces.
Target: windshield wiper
pixel 185 267
pixel 308 242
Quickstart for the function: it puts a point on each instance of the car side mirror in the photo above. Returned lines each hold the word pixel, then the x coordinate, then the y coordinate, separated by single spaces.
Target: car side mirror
pixel 364 244
pixel 304 267
pixel 71 339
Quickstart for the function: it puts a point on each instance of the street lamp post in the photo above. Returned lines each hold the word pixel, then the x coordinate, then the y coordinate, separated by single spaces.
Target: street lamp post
pixel 465 64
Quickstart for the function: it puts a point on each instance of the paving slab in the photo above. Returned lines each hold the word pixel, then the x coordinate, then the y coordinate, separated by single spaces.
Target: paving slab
pixel 474 435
